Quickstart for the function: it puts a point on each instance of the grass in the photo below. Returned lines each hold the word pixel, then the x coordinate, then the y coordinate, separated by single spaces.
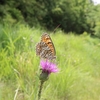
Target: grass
pixel 78 59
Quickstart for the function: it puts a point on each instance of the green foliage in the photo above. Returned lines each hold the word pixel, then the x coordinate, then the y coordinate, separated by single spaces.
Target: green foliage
pixel 94 18
pixel 78 59
pixel 72 16
pixel 97 30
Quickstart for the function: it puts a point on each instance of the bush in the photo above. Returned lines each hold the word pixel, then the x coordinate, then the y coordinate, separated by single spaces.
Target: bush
pixel 97 29
pixel 70 15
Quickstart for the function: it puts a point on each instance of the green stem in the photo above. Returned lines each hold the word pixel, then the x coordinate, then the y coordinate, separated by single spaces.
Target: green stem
pixel 40 90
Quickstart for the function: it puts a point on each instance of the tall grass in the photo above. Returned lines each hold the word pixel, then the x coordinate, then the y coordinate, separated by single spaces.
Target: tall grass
pixel 78 59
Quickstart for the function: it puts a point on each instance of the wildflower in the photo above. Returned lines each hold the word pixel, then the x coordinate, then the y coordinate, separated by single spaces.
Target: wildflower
pixel 47 67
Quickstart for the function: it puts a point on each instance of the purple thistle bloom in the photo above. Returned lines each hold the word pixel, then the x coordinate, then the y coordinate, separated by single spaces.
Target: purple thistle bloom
pixel 48 67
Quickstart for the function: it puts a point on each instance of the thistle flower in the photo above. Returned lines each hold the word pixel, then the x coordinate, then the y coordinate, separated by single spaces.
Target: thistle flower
pixel 48 67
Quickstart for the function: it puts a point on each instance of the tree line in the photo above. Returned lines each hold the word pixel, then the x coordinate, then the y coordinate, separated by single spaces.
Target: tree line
pixel 70 15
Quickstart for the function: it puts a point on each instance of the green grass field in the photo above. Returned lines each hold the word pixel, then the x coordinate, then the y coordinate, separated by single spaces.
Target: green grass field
pixel 78 58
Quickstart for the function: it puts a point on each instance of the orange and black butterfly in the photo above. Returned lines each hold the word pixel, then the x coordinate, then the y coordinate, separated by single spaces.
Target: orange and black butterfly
pixel 45 48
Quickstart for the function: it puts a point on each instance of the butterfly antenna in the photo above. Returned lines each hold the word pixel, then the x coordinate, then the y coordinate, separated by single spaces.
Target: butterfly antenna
pixel 56 28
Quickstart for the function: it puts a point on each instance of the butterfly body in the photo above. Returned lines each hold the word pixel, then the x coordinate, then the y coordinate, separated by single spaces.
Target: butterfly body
pixel 45 48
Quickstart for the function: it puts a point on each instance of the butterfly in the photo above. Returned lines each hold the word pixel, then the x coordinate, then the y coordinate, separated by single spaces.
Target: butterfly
pixel 45 48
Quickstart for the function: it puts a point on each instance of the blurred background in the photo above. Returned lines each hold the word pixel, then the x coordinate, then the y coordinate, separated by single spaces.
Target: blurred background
pixel 75 15
pixel 73 25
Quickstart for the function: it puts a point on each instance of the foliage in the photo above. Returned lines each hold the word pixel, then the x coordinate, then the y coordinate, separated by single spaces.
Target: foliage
pixel 97 30
pixel 72 16
pixel 78 58
pixel 94 18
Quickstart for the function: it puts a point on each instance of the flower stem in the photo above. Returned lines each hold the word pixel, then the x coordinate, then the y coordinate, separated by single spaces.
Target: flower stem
pixel 40 90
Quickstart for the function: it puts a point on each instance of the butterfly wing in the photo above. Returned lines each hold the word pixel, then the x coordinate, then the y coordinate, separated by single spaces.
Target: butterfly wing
pixel 45 49
pixel 38 49
pixel 41 47
pixel 46 39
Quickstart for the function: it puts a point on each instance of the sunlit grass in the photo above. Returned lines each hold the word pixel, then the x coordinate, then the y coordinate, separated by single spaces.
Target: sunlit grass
pixel 78 58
